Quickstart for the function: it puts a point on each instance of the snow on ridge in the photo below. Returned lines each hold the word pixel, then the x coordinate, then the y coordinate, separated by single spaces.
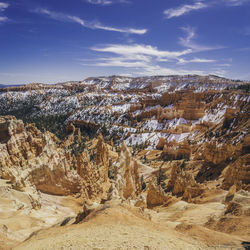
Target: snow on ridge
pixel 151 139
pixel 152 125
pixel 214 116
pixel 122 108
pixel 178 137
pixel 152 107
pixel 143 138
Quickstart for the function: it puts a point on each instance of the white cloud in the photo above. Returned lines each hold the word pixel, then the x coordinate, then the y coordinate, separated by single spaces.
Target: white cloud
pixel 138 57
pixel 124 60
pixel 123 30
pixel 99 2
pixel 224 65
pixel 140 67
pixel 106 2
pixel 184 9
pixel 3 6
pixel 144 59
pixel 195 60
pixel 187 8
pixel 52 14
pixel 119 62
pixel 235 2
pixel 77 20
pixel 141 49
pixel 158 70
pixel 92 25
pixel 3 19
pixel 188 41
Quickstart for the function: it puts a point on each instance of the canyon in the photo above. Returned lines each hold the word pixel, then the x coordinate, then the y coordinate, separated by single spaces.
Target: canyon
pixel 117 162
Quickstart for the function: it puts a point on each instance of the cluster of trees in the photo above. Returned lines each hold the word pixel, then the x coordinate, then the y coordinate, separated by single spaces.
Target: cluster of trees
pixel 244 87
pixel 52 123
pixel 77 147
pixel 161 177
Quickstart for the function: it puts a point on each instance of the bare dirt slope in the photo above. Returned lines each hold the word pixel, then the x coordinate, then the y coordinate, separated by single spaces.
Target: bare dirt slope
pixel 117 226
pixel 22 213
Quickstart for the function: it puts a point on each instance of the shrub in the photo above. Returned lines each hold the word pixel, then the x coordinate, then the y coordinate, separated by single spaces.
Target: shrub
pixel 183 165
pixel 226 123
pixel 161 178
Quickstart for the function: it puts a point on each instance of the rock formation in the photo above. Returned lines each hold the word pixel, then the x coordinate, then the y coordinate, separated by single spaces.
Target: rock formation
pixel 156 195
pixel 238 173
pixel 29 157
pixel 219 154
pixel 176 151
pixel 94 173
pixel 126 183
pixel 182 183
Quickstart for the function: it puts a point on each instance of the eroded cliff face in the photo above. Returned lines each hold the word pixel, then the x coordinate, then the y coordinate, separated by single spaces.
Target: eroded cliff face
pixel 94 173
pixel 218 154
pixel 238 174
pixel 182 183
pixel 31 158
pixel 126 183
pixel 156 195
pixel 175 151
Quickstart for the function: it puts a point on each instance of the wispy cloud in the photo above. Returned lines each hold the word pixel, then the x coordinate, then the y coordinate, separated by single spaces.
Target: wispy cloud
pixel 99 2
pixel 235 2
pixel 243 49
pixel 184 9
pixel 139 67
pixel 188 41
pixel 138 57
pixel 3 19
pixel 198 5
pixel 92 25
pixel 159 70
pixel 224 65
pixel 141 49
pixel 106 2
pixel 142 59
pixel 149 60
pixel 195 60
pixel 122 30
pixel 124 62
pixel 3 7
pixel 52 14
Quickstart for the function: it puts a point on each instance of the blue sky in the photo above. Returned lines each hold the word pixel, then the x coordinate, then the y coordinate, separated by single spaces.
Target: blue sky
pixel 51 41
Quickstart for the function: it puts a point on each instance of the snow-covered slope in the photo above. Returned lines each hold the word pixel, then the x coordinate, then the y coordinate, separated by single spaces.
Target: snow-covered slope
pixel 140 110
